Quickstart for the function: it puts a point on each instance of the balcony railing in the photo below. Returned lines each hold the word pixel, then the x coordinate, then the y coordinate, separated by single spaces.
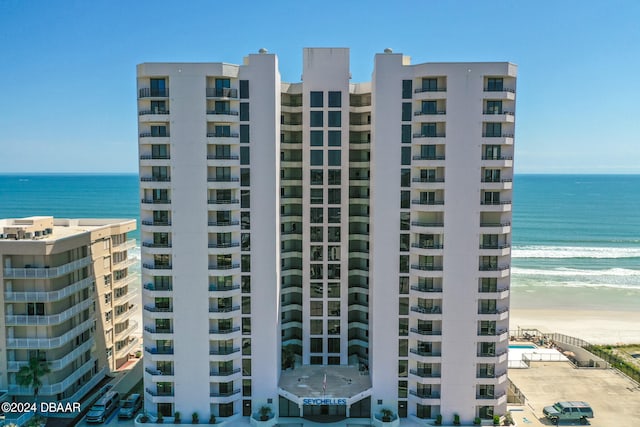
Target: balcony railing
pixel 425 332
pixel 429 113
pixel 427 224
pixel 491 354
pixel 226 92
pixel 156 330
pixel 495 202
pixel 429 135
pixel 154 287
pixel 426 246
pixel 155 372
pixel 490 396
pixel 496 135
pixel 222 135
pixel 154 135
pixel 223 201
pixel 155 179
pixel 222 157
pixel 496 246
pixel 223 223
pixel 49 343
pixel 159 392
pixel 154 309
pixel 428 179
pixel 157 266
pixel 492 289
pixel 497 180
pixel 495 224
pixel 224 309
pixel 223 179
pixel 48 320
pixel 423 267
pixel 224 331
pixel 224 393
pixel 425 353
pixel 493 267
pixel 428 157
pixel 223 245
pixel 47 272
pixel 158 112
pixel 224 373
pixel 216 288
pixel 153 93
pixel 427 202
pixel 508 113
pixel 424 394
pixel 499 89
pixel 430 89
pixel 490 374
pixel 491 333
pixel 156 245
pixel 155 201
pixel 423 373
pixel 427 310
pixel 154 350
pixel 43 296
pixel 492 311
pixel 224 351
pixel 223 112
pixel 155 157
pixel 224 267
pixel 497 157
pixel 425 288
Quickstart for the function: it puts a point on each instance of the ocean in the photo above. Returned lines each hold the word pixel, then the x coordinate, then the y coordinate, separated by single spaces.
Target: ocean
pixel 575 242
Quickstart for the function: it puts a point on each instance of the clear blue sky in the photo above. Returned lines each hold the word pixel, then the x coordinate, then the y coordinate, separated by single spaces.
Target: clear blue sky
pixel 68 100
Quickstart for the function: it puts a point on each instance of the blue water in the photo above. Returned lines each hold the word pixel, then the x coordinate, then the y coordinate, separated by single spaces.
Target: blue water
pixel 568 230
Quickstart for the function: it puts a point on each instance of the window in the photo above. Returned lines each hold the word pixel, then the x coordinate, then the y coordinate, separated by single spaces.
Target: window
pixel 244 111
pixel 315 99
pixel 334 157
pixel 404 242
pixel 405 220
pixel 335 99
pixel 316 253
pixel 316 119
pixel 335 119
pixel 334 234
pixel 492 175
pixel 495 84
pixel 404 263
pixel 429 107
pixel 159 107
pixel 403 285
pixel 316 176
pixel 405 156
pixel 494 107
pixel 492 152
pixel 403 347
pixel 402 368
pixel 315 138
pixel 405 199
pixel 159 131
pixel 493 129
pixel 245 220
pixel 335 137
pixel 333 327
pixel 406 111
pixel 334 345
pixel 244 89
pixel 35 309
pixel 246 326
pixel 316 158
pixel 245 200
pixel 316 233
pixel 334 215
pixel 245 263
pixel 333 271
pixel 244 155
pixel 245 239
pixel 317 290
pixel 334 288
pixel 406 134
pixel 316 216
pixel 428 130
pixel 429 85
pixel 244 133
pixel 405 177
pixel 333 308
pixel 316 196
pixel 316 327
pixel 407 88
pixel 245 177
pixel 158 87
pixel 315 308
pixel 334 174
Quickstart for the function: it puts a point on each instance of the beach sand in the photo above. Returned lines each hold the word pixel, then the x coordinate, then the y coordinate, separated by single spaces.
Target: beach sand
pixel 594 326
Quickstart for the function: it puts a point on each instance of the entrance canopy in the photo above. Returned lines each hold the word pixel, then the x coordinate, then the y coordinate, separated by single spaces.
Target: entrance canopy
pixel 342 385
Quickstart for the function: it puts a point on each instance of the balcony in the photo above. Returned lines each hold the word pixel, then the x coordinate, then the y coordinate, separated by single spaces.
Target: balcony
pixel 226 373
pixel 427 310
pixel 492 354
pixel 154 135
pixel 153 93
pixel 153 113
pixel 223 223
pixel 430 135
pixel 222 135
pixel 423 353
pixel 224 351
pixel 155 157
pixel 60 387
pixel 222 157
pixel 155 201
pixel 427 224
pixel 41 296
pixel 224 331
pixel 224 310
pixel 426 246
pixel 223 201
pixel 422 394
pixel 155 179
pixel 430 113
pixel 159 392
pixel 157 266
pixel 56 365
pixel 426 267
pixel 222 112
pixel 428 202
pixel 156 245
pixel 127 348
pixel 158 288
pixel 223 179
pixel 49 343
pixel 158 372
pixel 425 331
pixel 154 309
pixel 432 289
pixel 47 272
pixel 490 267
pixel 216 288
pixel 226 92
pixel 156 330
pixel 49 320
pixel 224 267
pixel 154 350
pixel 430 89
pixel 428 180
pixel 424 373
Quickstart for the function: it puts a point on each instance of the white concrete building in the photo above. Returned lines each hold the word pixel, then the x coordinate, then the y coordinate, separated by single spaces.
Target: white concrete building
pixel 326 239
pixel 67 300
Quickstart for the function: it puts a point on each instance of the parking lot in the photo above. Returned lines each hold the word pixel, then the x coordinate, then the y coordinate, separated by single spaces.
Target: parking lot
pixel 614 398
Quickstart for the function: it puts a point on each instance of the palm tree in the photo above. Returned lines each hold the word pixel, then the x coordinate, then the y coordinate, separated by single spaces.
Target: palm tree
pixel 31 375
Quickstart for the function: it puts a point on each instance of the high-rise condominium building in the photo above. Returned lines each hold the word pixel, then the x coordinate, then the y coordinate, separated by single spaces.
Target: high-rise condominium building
pixel 67 300
pixel 325 248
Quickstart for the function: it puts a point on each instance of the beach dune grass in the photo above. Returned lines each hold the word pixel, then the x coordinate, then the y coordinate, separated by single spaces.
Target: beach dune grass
pixel 619 358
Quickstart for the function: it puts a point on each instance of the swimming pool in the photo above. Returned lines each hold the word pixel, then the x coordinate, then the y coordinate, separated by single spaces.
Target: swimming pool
pixel 522 346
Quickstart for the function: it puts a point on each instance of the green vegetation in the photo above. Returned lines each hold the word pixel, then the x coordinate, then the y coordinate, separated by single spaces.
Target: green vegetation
pixel 612 355
pixel 31 375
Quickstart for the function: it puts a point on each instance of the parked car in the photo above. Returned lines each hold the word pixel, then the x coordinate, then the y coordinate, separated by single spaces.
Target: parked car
pixel 101 410
pixel 130 406
pixel 568 411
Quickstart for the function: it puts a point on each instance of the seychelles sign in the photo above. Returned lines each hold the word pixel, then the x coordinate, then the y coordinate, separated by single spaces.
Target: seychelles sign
pixel 314 401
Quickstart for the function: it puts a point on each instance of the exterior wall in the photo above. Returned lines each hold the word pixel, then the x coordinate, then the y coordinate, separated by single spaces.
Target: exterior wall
pixel 50 279
pixel 424 231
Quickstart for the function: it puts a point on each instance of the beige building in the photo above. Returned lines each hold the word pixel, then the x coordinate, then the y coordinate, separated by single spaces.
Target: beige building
pixel 67 298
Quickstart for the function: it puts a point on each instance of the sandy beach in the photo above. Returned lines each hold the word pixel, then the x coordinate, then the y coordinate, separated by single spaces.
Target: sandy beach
pixel 595 326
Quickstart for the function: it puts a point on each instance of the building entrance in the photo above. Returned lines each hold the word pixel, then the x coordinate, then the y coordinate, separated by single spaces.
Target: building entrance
pixel 324 413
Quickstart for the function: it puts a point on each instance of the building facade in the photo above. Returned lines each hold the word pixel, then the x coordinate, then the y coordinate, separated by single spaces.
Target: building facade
pixel 67 299
pixel 326 248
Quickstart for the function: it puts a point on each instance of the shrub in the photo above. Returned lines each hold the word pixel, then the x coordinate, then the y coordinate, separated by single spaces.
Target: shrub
pixel 456 419
pixel 176 418
pixel 496 420
pixel 477 421
pixel 439 420
pixel 212 419
pixel 194 418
